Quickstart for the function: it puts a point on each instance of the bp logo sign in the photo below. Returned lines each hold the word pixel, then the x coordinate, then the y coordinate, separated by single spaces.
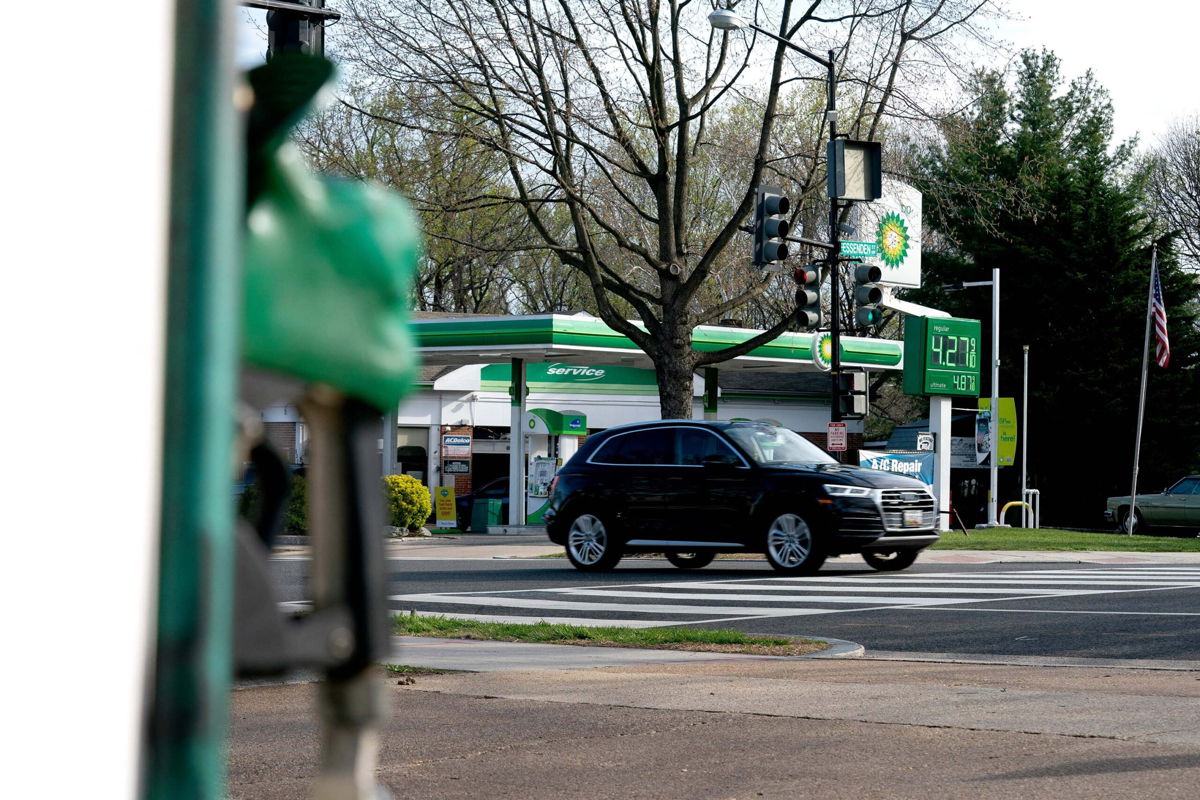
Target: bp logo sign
pixel 891 229
pixel 822 350
pixel 893 240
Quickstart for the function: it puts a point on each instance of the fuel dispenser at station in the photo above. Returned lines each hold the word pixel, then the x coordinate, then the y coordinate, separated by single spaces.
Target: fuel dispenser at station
pixel 552 437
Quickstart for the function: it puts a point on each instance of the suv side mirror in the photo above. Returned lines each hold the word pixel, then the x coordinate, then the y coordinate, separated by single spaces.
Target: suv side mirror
pixel 720 460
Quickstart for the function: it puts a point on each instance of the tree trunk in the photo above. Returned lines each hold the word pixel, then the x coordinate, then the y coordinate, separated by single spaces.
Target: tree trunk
pixel 674 367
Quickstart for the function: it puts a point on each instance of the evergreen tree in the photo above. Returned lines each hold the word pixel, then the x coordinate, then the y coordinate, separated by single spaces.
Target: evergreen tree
pixel 1030 182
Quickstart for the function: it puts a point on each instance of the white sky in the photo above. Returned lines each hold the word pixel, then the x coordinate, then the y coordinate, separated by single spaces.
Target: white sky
pixel 1145 52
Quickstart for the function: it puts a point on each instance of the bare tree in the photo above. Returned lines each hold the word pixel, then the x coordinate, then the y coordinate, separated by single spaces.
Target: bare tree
pixel 603 111
pixel 477 250
pixel 1175 187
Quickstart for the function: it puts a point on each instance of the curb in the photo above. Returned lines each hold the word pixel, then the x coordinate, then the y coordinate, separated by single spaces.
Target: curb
pixel 838 648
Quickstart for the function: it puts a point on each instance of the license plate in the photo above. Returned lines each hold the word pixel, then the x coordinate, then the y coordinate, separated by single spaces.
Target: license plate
pixel 912 519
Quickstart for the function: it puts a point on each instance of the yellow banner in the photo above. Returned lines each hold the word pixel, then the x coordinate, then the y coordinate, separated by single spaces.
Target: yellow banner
pixel 1007 432
pixel 443 503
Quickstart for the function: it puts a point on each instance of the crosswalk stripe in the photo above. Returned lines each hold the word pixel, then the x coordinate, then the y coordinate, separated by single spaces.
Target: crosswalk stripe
pixel 799 598
pixel 996 581
pixel 588 622
pixel 567 605
pixel 958 590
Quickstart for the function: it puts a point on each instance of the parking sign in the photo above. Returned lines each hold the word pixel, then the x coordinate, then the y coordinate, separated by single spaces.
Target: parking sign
pixel 835 436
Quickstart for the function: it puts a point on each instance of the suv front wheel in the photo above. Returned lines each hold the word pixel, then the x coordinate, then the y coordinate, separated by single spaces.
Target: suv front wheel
pixel 791 546
pixel 590 545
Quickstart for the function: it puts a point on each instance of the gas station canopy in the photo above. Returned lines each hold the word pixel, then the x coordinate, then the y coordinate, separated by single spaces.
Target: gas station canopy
pixel 586 340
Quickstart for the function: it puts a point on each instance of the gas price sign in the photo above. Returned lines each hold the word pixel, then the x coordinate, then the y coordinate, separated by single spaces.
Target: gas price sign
pixel 941 356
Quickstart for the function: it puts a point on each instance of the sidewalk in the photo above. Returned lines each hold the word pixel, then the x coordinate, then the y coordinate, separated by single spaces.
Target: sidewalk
pixel 751 728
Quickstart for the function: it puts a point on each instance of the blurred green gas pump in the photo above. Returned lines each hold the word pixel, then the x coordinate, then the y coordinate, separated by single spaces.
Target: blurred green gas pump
pixel 327 270
pixel 327 267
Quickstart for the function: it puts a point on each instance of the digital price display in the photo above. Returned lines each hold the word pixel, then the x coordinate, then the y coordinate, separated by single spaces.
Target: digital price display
pixel 941 356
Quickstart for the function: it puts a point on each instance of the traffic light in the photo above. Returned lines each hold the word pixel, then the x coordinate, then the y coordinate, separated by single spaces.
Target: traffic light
pixel 770 225
pixel 808 296
pixel 867 295
pixel 292 28
pixel 852 394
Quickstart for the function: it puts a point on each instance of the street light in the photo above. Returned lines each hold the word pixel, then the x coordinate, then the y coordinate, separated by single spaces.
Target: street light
pixel 725 20
pixel 994 428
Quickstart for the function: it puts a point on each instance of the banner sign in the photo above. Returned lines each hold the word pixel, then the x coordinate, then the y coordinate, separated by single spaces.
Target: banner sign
pixel 443 504
pixel 1007 429
pixel 914 465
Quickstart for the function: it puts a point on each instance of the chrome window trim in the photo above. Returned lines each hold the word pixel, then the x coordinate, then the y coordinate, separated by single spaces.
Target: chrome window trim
pixel 676 544
pixel 592 459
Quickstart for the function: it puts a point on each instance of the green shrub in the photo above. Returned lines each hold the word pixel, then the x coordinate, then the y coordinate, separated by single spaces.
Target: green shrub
pixel 408 501
pixel 295 518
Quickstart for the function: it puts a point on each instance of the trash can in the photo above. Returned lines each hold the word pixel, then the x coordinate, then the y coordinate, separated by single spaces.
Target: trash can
pixel 485 512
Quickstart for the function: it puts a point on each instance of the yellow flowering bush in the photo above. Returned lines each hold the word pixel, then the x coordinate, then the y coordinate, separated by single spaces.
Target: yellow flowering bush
pixel 408 501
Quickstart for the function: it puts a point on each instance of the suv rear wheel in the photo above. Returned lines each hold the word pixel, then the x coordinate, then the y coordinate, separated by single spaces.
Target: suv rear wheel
pixel 691 560
pixel 791 545
pixel 890 560
pixel 590 545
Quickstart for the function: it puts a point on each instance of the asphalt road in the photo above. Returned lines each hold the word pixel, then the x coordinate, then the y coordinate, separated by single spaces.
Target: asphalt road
pixel 1054 610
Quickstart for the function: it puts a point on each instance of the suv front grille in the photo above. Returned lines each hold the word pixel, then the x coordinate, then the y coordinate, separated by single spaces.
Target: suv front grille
pixel 896 502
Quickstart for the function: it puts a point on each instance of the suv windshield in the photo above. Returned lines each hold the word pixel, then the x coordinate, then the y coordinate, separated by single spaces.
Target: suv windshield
pixel 768 444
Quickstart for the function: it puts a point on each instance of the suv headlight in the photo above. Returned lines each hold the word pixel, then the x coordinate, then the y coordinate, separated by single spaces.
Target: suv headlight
pixel 839 490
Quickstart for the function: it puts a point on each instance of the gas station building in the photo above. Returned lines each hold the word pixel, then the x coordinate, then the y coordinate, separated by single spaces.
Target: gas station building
pixel 579 376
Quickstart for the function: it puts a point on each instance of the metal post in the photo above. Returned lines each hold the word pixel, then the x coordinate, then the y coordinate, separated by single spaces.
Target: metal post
pixel 994 433
pixel 711 394
pixel 939 424
pixel 1024 434
pixel 516 451
pixel 1137 442
pixel 388 460
pixel 186 725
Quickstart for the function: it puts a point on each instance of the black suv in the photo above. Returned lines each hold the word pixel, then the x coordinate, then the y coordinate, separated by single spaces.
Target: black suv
pixel 694 489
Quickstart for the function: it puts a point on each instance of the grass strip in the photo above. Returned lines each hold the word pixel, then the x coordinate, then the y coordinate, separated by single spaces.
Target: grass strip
pixel 406 669
pixel 1056 539
pixel 697 639
pixel 1024 539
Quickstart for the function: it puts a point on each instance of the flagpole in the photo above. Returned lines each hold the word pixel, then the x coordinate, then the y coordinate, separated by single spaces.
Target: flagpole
pixel 1137 442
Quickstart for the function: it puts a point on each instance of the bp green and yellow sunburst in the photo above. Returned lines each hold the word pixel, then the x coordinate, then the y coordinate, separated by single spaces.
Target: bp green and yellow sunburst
pixel 893 239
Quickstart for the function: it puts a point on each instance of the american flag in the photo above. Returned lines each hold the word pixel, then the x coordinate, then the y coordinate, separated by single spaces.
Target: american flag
pixel 1162 347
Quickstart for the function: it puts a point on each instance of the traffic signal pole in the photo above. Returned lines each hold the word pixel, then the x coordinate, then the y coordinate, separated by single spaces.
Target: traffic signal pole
pixel 835 283
pixel 726 19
